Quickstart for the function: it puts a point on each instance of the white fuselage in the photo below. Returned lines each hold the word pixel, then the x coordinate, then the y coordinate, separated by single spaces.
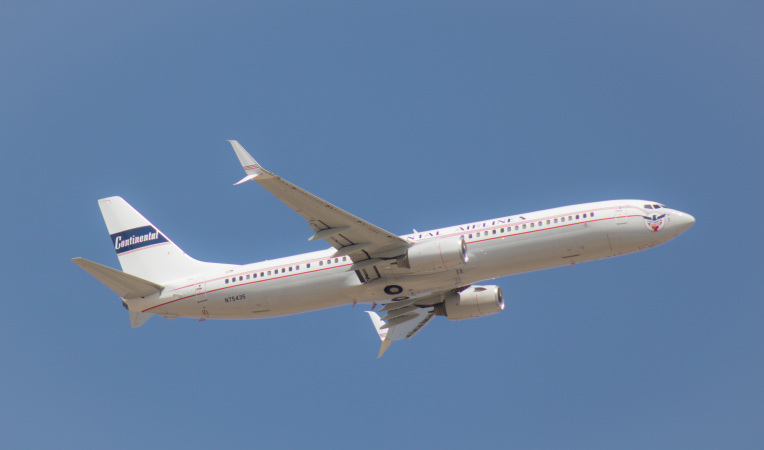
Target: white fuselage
pixel 496 248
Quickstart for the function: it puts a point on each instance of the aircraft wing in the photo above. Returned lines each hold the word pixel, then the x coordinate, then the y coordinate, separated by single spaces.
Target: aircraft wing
pixel 363 242
pixel 405 318
pixel 400 327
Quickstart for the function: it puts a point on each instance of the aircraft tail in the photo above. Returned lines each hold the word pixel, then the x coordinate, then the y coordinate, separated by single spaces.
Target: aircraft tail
pixel 142 249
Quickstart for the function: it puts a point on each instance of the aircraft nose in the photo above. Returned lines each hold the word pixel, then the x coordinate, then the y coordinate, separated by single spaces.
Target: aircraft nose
pixel 682 220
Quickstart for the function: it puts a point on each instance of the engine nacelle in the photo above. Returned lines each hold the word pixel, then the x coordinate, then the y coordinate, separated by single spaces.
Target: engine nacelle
pixel 435 255
pixel 473 302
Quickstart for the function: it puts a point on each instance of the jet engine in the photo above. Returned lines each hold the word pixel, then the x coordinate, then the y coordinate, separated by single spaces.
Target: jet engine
pixel 473 302
pixel 434 255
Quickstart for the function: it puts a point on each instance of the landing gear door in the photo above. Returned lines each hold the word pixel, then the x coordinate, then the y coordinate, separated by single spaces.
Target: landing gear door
pixel 200 291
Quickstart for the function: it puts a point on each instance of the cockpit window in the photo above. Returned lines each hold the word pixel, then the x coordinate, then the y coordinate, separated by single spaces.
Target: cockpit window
pixel 657 206
pixel 648 206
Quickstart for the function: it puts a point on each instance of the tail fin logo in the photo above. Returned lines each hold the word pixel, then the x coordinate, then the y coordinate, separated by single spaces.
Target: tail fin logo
pixel 137 238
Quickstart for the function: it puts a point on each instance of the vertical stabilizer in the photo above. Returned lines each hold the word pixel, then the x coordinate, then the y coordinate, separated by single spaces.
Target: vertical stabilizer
pixel 142 249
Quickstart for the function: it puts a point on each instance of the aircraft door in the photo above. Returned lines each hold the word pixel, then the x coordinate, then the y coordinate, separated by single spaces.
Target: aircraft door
pixel 620 216
pixel 200 290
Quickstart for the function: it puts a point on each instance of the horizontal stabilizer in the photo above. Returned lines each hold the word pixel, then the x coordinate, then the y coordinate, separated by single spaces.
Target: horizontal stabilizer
pixel 125 285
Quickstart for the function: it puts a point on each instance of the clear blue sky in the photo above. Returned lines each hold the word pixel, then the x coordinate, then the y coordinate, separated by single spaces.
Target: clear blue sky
pixel 410 115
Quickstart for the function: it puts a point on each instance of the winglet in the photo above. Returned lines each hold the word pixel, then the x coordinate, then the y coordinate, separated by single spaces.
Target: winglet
pixel 251 167
pixel 245 179
pixel 381 332
pixel 385 344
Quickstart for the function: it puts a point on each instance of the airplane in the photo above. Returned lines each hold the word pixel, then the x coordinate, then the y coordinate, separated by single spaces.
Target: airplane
pixel 413 277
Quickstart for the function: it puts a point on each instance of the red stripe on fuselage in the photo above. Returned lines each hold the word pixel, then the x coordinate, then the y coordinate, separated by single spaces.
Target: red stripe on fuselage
pixel 461 233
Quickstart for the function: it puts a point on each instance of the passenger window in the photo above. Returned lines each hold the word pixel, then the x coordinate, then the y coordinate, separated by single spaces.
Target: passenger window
pixel 336 260
pixel 494 231
pixel 290 269
pixel 320 263
pixel 555 220
pixel 533 224
pixel 502 230
pixel 269 273
pixel 297 268
pixel 248 276
pixel 226 281
pixel 591 214
pixel 307 266
pixel 577 217
pixel 584 215
pixel 241 278
pixel 344 258
pixel 541 222
pixel 523 226
pixel 548 221
pixel 470 235
pixel 562 219
pixel 570 218
pixel 517 227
